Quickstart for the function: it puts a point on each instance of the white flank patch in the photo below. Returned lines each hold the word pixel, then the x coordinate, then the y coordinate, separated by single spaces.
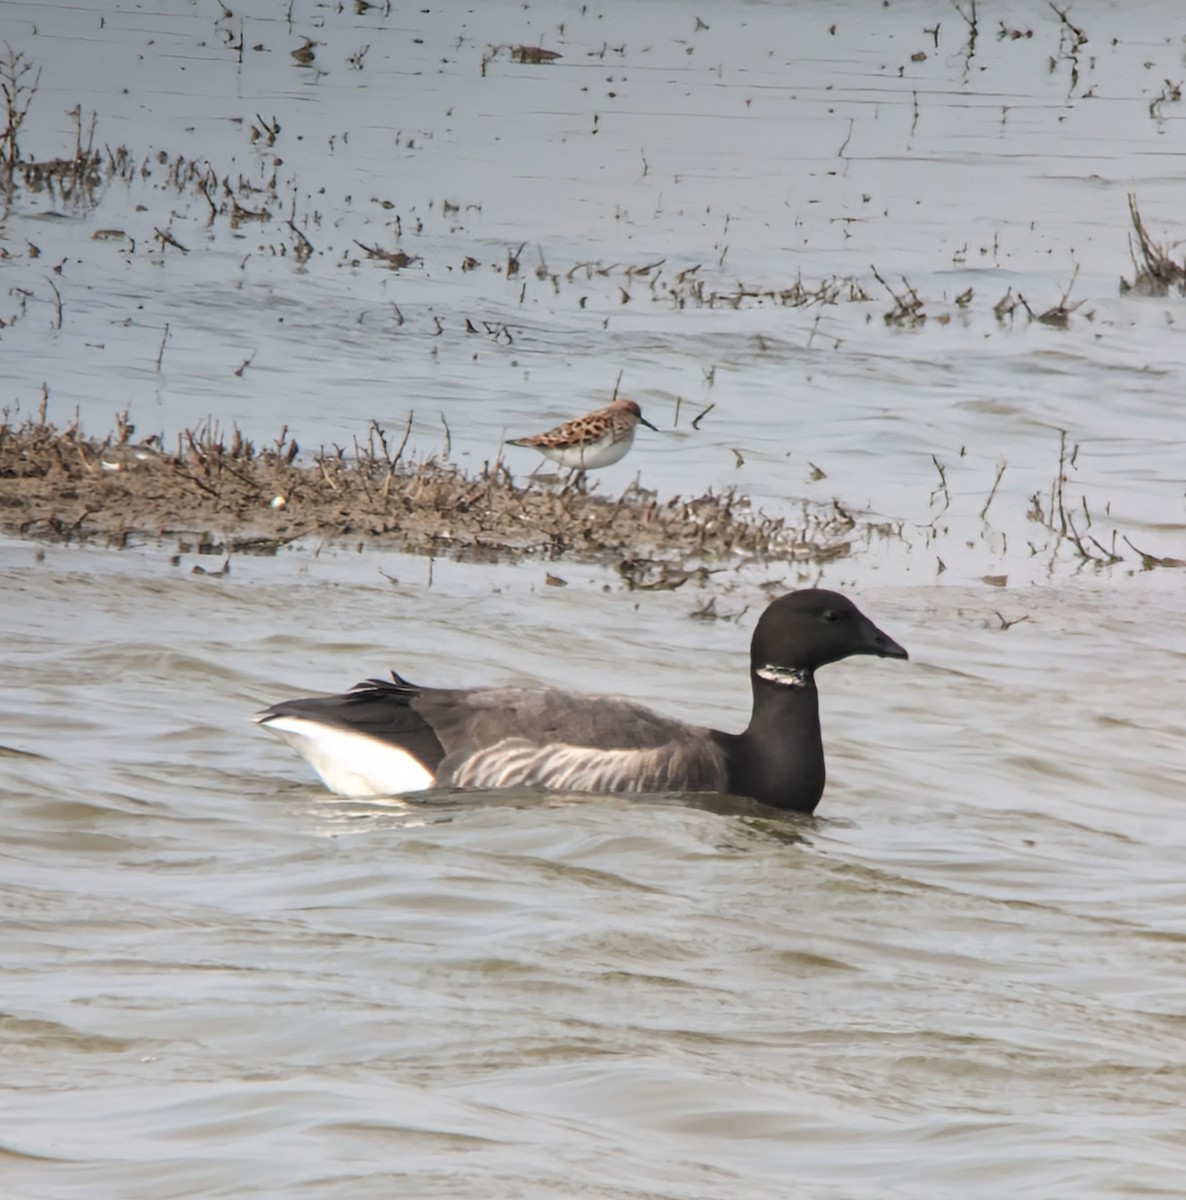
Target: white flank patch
pixel 351 764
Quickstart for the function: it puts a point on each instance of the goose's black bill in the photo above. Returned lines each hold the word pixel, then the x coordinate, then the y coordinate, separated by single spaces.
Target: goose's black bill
pixel 880 643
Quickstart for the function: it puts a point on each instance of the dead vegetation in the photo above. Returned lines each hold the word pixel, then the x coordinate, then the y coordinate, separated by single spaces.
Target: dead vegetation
pixel 534 56
pixel 71 180
pixel 1075 530
pixel 908 311
pixel 1071 40
pixel 1056 315
pixel 1155 271
pixel 1072 530
pixel 1071 521
pixel 18 86
pixel 235 200
pixel 1057 515
pixel 63 485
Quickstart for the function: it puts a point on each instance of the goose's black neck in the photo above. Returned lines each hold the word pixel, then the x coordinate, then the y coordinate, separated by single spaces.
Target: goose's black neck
pixel 779 759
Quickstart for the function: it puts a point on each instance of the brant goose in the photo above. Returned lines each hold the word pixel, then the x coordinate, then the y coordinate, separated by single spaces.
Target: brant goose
pixel 389 737
pixel 595 440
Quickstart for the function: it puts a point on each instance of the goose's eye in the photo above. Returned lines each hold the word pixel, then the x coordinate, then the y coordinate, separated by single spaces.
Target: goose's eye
pixel 831 615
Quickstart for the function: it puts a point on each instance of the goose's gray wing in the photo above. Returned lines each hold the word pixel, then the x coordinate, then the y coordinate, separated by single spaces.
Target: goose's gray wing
pixel 543 737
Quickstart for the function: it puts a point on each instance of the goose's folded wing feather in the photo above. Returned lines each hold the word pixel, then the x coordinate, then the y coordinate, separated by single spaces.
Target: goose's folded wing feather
pixel 541 737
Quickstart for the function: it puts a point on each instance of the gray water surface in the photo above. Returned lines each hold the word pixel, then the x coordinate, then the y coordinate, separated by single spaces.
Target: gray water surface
pixel 964 975
pixel 963 978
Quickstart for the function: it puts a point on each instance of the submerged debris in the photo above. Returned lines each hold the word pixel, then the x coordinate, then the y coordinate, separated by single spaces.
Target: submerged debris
pixel 60 484
pixel 533 55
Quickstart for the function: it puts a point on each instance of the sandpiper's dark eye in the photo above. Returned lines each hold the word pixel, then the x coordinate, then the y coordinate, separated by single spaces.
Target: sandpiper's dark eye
pixel 831 615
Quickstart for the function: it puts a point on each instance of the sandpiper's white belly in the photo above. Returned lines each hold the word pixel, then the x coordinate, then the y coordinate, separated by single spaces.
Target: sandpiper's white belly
pixel 591 455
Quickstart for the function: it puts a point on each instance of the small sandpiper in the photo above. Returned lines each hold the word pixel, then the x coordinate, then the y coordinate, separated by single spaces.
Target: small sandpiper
pixel 595 440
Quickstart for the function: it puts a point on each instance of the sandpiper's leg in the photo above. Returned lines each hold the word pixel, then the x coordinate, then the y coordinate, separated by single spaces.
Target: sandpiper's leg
pixel 575 480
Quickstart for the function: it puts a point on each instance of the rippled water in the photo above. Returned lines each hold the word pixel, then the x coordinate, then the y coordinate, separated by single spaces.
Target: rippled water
pixel 964 978
pixel 965 974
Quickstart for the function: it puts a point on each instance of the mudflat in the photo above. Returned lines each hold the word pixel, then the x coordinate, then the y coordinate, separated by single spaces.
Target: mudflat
pixel 63 484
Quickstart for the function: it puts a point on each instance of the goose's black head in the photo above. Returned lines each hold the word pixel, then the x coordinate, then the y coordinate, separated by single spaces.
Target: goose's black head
pixel 810 628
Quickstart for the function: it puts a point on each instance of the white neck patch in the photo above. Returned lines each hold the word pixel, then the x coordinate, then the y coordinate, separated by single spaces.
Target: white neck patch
pixel 794 677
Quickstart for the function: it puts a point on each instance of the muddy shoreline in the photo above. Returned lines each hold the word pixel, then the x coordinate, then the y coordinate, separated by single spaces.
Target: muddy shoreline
pixel 63 485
